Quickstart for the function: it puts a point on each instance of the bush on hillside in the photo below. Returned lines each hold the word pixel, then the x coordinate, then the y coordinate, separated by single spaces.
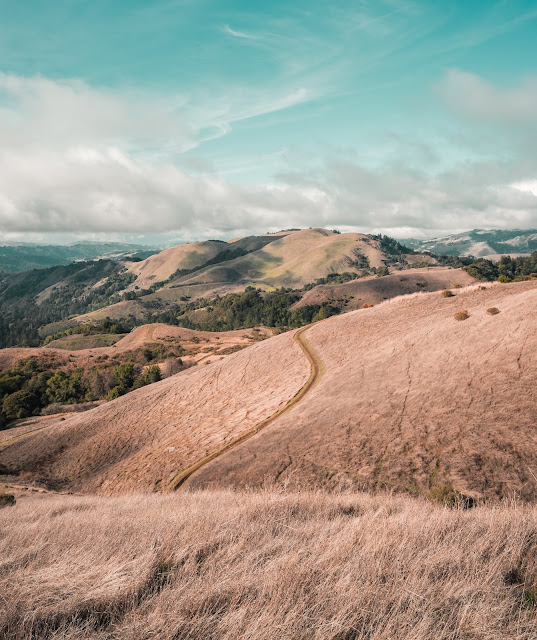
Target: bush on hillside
pixel 7 500
pixel 450 497
pixel 447 293
pixel 492 311
pixel 461 315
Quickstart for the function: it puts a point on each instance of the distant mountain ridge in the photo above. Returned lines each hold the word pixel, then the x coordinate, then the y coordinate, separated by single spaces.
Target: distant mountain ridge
pixel 479 243
pixel 25 256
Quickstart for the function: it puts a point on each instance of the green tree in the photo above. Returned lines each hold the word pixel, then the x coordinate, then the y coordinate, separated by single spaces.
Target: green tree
pixel 124 376
pixel 148 376
pixel 20 404
pixel 65 387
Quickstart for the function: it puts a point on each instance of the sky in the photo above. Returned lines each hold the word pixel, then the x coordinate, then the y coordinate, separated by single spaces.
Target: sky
pixel 175 120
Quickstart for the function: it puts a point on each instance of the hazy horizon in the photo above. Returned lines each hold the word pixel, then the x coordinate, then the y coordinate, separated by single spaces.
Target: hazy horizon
pixel 171 121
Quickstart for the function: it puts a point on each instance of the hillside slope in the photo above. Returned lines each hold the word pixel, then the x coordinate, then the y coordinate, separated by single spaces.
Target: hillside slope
pixel 294 260
pixel 142 440
pixel 410 399
pixel 190 256
pixel 162 265
pixel 480 243
pixel 372 290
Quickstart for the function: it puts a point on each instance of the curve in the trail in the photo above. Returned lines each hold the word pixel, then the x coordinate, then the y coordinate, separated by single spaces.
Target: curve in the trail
pixel 316 372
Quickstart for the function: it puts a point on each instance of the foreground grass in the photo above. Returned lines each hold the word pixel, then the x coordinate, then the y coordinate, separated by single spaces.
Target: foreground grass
pixel 229 566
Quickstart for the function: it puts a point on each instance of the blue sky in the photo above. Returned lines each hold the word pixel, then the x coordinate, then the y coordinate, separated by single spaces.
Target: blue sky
pixel 190 119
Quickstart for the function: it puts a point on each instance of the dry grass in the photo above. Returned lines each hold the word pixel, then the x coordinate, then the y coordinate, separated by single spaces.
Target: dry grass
pixel 367 305
pixel 351 295
pixel 461 315
pixel 222 565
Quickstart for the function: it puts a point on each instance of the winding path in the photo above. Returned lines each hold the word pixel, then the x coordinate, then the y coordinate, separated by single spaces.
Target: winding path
pixel 316 372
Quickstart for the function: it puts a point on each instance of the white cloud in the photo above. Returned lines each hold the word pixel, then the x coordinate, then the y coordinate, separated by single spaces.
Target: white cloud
pixel 528 186
pixel 76 158
pixel 471 96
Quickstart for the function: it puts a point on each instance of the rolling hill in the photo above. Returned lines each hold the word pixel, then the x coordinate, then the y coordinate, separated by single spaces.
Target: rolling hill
pixel 352 295
pixel 400 396
pixel 23 256
pixel 191 257
pixel 479 243
pixel 287 259
pixel 294 260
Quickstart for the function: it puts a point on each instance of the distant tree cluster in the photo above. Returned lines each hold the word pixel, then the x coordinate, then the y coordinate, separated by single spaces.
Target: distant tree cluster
pixel 507 269
pixel 245 310
pixel 332 278
pixel 107 326
pixel 72 292
pixel 35 383
pixel 391 246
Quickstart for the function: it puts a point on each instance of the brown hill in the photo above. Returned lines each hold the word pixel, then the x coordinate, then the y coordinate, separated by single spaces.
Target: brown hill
pixel 352 295
pixel 410 399
pixel 192 255
pixel 198 346
pixel 287 259
pixel 162 265
pixel 142 440
pixel 294 260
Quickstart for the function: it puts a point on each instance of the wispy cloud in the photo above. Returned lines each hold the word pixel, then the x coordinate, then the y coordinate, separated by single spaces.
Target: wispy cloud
pixel 237 34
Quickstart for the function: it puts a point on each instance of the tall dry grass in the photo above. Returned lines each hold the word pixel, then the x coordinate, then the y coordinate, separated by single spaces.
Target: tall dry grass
pixel 265 566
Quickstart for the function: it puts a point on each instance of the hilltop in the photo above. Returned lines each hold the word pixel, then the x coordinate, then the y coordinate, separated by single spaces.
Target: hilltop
pixel 405 397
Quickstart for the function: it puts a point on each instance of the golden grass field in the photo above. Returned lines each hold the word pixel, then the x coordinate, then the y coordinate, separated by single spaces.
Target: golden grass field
pixel 219 565
pixel 324 463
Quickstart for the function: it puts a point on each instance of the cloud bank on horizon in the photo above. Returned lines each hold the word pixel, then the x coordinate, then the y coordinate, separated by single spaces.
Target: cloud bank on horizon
pixel 213 119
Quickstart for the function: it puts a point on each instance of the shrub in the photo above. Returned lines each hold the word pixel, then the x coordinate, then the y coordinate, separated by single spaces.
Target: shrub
pixel 492 311
pixel 530 596
pixel 461 315
pixel 457 286
pixel 447 293
pixel 504 278
pixel 115 393
pixel 447 495
pixel 20 404
pixel 148 376
pixel 7 500
pixel 367 305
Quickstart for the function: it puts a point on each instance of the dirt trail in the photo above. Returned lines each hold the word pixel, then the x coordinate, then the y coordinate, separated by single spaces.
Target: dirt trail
pixel 316 372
